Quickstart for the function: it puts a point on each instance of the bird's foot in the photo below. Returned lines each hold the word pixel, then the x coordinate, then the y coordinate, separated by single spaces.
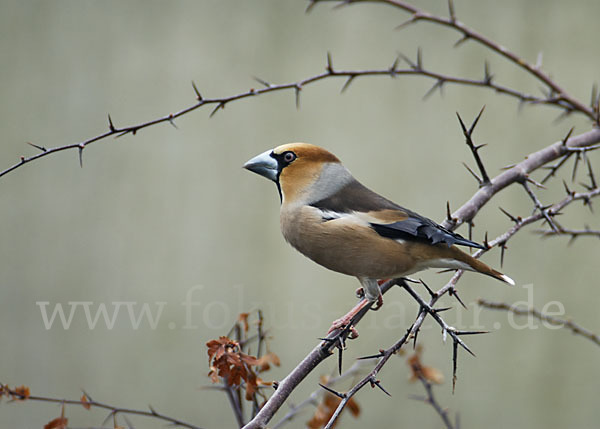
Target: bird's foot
pixel 378 303
pixel 360 293
pixel 343 323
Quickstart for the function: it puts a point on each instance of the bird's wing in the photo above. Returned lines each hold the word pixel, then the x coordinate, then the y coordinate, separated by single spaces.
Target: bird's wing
pixel 385 217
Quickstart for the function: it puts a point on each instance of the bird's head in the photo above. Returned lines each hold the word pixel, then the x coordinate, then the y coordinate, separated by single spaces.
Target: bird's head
pixel 297 168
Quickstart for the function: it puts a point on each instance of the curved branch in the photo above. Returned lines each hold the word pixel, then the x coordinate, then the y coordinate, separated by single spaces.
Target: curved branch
pixel 468 33
pixel 87 403
pixel 220 103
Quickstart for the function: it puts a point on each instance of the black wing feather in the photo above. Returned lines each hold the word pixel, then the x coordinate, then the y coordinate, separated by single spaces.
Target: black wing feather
pixel 355 197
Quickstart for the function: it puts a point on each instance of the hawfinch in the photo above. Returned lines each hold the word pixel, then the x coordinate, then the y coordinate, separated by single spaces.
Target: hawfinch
pixel 330 217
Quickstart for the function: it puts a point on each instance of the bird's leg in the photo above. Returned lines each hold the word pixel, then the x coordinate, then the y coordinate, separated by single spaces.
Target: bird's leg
pixel 379 303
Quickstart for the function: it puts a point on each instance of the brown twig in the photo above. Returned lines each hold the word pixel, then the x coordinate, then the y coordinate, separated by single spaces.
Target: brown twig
pixel 221 102
pixel 431 400
pixel 567 324
pixel 555 91
pixel 114 411
pixel 573 233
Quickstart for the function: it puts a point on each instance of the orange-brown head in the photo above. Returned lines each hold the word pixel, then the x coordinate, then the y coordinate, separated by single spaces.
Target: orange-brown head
pixel 299 170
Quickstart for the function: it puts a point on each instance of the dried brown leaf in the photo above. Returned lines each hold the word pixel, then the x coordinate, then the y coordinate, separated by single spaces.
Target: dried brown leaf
pixel 57 423
pixel 84 402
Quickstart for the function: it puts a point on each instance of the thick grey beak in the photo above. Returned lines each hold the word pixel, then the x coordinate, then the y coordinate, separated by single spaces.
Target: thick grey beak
pixel 265 165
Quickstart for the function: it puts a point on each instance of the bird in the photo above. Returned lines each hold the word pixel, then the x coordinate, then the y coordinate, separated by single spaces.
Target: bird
pixel 333 219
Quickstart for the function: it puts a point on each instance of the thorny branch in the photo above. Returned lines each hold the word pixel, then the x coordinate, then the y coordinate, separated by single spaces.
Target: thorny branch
pixel 563 323
pixel 114 411
pixel 556 93
pixel 556 96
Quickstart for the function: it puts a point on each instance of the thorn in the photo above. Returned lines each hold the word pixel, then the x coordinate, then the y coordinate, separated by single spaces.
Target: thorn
pixel 471 225
pixel 566 139
pixel 577 157
pixel 347 83
pixel 567 190
pixel 377 356
pixel 463 345
pixel 553 169
pixel 487 76
pixel 297 90
pixel 111 126
pixel 462 40
pixel 329 64
pixel 198 95
pixel 448 214
pixel 152 410
pixel 87 396
pixel 419 59
pixel 438 84
pixel 454 293
pixel 476 120
pixel 221 105
pixel 334 392
pixel 537 184
pixel 593 184
pixel 451 11
pixel 471 332
pixel 479 181
pixel 566 112
pixel 406 23
pixel 42 148
pixel 80 148
pixel 431 292
pixel 408 61
pixel 502 249
pixel 454 365
pixel 540 58
pixel 262 82
pixel 440 310
pixel 172 121
pixel 394 66
pixel 340 351
pixel 416 334
pixel 377 383
pixel 485 241
pixel 311 4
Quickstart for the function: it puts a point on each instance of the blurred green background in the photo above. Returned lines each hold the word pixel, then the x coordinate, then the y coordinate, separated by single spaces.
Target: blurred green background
pixel 169 213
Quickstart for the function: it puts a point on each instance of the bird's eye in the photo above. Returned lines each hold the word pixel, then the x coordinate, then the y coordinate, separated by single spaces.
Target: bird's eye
pixel 289 157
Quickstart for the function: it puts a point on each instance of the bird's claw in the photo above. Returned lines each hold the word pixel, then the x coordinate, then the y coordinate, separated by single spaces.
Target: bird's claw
pixel 344 323
pixel 378 303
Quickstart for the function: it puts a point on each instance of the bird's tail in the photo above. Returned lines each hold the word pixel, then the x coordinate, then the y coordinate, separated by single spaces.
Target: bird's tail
pixel 480 267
